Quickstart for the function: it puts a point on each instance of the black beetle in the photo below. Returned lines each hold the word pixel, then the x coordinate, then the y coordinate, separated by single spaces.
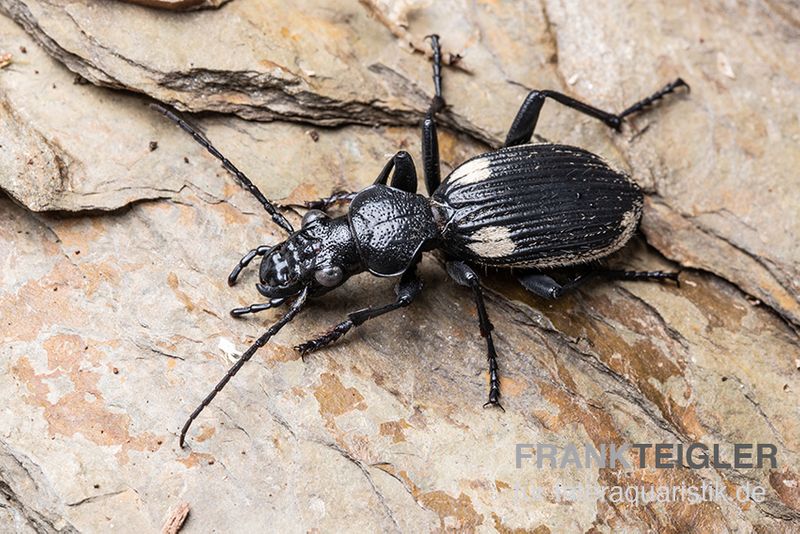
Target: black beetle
pixel 532 207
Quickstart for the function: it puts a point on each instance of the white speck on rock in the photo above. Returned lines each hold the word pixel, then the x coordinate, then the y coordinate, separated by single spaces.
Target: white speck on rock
pixel 228 348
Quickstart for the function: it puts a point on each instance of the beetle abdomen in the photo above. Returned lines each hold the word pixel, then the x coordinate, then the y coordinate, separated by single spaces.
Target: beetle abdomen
pixel 538 206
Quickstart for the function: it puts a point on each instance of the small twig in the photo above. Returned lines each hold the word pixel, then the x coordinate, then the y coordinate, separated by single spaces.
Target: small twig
pixel 176 519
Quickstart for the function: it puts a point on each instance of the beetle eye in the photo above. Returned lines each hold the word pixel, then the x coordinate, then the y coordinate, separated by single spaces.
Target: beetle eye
pixel 313 215
pixel 329 276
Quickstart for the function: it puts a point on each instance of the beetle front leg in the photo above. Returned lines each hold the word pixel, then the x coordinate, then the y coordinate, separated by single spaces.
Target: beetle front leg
pixel 465 276
pixel 325 202
pixel 407 290
pixel 528 115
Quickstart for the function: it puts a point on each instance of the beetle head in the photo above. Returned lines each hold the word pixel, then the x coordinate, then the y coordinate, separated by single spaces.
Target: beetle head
pixel 320 256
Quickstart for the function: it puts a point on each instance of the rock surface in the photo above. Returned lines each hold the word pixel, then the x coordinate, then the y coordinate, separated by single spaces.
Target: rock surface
pixel 719 164
pixel 113 322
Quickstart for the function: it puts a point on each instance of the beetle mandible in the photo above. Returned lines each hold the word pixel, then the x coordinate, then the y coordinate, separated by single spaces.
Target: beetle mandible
pixel 531 207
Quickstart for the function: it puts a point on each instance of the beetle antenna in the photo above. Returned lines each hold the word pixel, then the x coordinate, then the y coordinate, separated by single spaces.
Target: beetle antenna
pixel 277 217
pixel 297 305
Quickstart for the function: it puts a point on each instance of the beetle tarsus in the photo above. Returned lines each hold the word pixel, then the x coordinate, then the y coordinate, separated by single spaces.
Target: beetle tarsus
pixel 494 380
pixel 645 276
pixel 493 403
pixel 546 287
pixel 327 338
pixel 658 95
pixel 463 275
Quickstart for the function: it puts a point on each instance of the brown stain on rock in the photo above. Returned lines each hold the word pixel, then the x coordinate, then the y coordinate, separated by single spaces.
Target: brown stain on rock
pixel 634 356
pixel 394 429
pixel 96 274
pixel 597 423
pixel 230 214
pixel 174 283
pixel 81 410
pixel 54 299
pixel 39 303
pixel 334 399
pixel 787 485
pixel 510 387
pixel 302 193
pixel 715 307
pixel 206 432
pixel 455 514
pixel 80 233
pixel 196 458
pixel 455 509
pixel 503 529
pixel 283 353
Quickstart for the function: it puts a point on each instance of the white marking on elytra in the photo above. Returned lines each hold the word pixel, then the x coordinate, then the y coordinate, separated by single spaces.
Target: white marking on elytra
pixel 492 242
pixel 628 219
pixel 473 171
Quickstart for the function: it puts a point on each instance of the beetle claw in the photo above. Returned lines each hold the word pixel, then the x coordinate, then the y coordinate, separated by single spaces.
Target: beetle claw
pixel 494 402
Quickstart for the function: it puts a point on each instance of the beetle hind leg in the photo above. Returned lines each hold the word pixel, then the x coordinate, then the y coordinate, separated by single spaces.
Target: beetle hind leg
pixel 546 287
pixel 524 123
pixel 647 276
pixel 465 276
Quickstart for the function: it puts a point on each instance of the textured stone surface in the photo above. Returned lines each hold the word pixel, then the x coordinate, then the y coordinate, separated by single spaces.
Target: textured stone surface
pixel 720 164
pixel 112 322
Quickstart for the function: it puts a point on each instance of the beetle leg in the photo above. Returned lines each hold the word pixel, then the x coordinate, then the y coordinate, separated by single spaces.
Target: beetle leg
pixel 245 261
pixel 407 290
pixel 255 308
pixel 641 275
pixel 405 174
pixel 525 122
pixel 325 202
pixel 545 287
pixel 465 276
pixel 430 141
